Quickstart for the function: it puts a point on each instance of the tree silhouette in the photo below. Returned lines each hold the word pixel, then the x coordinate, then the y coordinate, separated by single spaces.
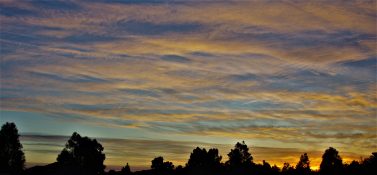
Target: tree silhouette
pixel 126 170
pixel 12 157
pixel 203 162
pixel 197 158
pixel 265 168
pixel 275 170
pixel 83 154
pixel 161 167
pixel 201 159
pixel 157 163
pixel 239 156
pixel 303 166
pixel 331 163
pixel 370 164
pixel 214 158
pixel 353 168
pixel 287 169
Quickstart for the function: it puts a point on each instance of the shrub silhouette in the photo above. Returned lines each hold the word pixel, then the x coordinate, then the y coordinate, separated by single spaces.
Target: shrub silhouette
pixel 82 154
pixel 12 157
pixel 332 163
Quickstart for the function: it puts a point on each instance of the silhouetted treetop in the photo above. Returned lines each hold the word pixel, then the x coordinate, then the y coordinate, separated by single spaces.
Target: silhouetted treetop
pixel 332 163
pixel 287 168
pixel 201 159
pixel 303 165
pixel 157 163
pixel 126 170
pixel 240 156
pixel 83 153
pixel 304 162
pixel 12 157
pixel 266 165
pixel 160 167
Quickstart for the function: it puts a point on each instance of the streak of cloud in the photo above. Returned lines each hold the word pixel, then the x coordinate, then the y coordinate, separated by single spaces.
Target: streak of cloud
pixel 295 73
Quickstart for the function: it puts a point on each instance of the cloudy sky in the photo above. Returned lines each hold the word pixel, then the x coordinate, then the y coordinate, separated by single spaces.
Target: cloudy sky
pixel 152 78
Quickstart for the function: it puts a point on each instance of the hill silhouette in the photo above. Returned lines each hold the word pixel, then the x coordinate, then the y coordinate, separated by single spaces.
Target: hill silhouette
pixel 84 156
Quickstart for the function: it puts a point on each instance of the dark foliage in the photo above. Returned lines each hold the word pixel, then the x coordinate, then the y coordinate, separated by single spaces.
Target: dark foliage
pixel 12 157
pixel 126 170
pixel 303 166
pixel 203 162
pixel 83 156
pixel 240 160
pixel 240 156
pixel 332 163
pixel 159 167
pixel 264 168
pixel 369 165
pixel 287 169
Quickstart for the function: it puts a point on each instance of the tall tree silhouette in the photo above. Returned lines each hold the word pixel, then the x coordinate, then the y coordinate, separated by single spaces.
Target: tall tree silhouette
pixel 12 157
pixel 239 156
pixel 83 155
pixel 331 162
pixel 303 166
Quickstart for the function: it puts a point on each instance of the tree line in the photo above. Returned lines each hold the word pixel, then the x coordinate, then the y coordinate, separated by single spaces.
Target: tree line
pixel 84 156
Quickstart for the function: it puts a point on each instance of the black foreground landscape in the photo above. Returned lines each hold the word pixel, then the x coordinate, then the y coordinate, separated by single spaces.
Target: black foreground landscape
pixel 84 156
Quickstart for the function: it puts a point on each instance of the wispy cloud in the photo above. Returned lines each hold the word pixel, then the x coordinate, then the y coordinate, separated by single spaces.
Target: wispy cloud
pixel 297 73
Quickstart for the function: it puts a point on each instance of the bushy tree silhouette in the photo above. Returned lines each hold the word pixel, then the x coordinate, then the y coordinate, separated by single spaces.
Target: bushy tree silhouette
pixel 157 163
pixel 201 159
pixel 214 158
pixel 12 157
pixel 303 166
pixel 160 167
pixel 240 160
pixel 332 163
pixel 82 154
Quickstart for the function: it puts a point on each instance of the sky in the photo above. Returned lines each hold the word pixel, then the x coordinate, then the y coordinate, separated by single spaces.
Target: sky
pixel 158 78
